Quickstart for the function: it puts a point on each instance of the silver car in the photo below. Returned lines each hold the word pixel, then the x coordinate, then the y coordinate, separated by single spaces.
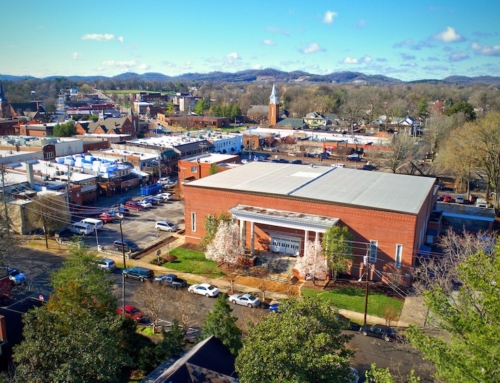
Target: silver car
pixel 245 300
pixel 165 226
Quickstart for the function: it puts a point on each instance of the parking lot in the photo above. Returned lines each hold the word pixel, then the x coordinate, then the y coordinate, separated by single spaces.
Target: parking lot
pixel 139 226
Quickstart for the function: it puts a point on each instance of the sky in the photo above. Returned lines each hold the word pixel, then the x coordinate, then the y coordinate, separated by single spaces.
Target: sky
pixel 407 40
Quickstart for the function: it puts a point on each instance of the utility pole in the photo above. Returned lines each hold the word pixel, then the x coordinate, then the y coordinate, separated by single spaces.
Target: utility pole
pixel 67 186
pixel 4 196
pixel 124 267
pixel 367 266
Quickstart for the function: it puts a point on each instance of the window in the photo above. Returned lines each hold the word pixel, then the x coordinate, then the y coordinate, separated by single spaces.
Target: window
pixel 373 251
pixel 194 169
pixel 399 256
pixel 193 222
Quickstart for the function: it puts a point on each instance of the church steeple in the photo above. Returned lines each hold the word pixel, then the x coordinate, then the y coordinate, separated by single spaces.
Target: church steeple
pixel 273 100
pixel 2 95
pixel 273 108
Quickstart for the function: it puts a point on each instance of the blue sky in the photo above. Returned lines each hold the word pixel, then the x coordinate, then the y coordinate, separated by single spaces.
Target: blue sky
pixel 401 39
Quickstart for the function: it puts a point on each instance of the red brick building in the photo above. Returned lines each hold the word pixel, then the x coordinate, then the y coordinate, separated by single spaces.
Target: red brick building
pixel 278 206
pixel 123 125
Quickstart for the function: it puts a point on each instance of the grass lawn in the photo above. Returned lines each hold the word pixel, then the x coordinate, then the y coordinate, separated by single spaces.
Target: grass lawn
pixel 352 298
pixel 194 262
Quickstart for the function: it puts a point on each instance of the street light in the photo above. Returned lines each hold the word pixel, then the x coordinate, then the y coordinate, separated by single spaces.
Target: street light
pixel 367 265
pixel 124 267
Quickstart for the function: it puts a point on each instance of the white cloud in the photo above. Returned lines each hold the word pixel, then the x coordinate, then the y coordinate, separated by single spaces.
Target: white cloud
pixel 99 37
pixel 120 39
pixel 312 48
pixel 76 55
pixel 360 24
pixel 458 56
pixel 449 35
pixel 257 66
pixel 120 64
pixel 233 59
pixel 268 42
pixel 233 56
pixel 486 50
pixel 329 16
pixel 143 67
pixel 187 65
pixel 350 60
pixel 367 59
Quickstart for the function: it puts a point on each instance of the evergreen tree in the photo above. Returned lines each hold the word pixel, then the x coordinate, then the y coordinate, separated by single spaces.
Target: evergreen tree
pixel 220 323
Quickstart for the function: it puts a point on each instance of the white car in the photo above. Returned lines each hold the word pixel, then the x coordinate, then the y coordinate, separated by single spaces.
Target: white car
pixel 244 300
pixel 164 196
pixel 459 198
pixel 204 289
pixel 165 226
pixel 145 204
pixel 338 166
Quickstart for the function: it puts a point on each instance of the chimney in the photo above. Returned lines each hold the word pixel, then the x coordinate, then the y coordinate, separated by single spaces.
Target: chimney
pixel 3 329
pixel 29 174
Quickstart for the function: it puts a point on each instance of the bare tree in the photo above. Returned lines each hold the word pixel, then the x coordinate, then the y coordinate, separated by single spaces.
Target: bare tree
pixel 442 270
pixel 313 263
pixel 185 308
pixel 153 300
pixel 437 128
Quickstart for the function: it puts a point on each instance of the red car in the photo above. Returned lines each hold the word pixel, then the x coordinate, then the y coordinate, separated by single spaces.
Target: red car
pixel 107 218
pixel 447 198
pixel 132 312
pixel 134 205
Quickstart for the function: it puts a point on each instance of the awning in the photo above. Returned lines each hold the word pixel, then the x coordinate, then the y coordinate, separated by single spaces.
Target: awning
pixel 283 218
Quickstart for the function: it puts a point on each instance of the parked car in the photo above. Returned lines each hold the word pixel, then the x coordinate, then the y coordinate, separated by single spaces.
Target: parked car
pixel 126 245
pixel 107 217
pixel 119 209
pixel 106 264
pixel 204 289
pixel 134 205
pixel 145 204
pixel 164 196
pixel 274 307
pixel 165 226
pixel 447 198
pixel 140 273
pixel 297 162
pixel 158 199
pixel 354 157
pixel 15 276
pixel 459 198
pixel 171 280
pixel 245 300
pixel 368 167
pixel 379 331
pixel 338 166
pixel 132 312
pixel 81 228
pixel 150 200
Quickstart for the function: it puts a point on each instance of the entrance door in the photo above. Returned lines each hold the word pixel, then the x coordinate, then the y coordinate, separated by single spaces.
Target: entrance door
pixel 287 245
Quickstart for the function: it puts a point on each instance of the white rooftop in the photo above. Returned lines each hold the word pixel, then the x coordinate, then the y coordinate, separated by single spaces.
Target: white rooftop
pixel 211 158
pixel 385 191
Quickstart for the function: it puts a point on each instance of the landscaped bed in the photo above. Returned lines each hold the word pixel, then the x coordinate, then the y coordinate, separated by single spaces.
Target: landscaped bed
pixel 194 262
pixel 353 298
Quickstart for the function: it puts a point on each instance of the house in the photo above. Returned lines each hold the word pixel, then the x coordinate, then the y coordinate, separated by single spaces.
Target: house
pixel 315 119
pixel 123 125
pixel 208 361
pixel 280 206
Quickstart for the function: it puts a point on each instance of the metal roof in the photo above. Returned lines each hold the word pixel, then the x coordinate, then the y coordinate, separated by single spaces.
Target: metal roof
pixel 386 191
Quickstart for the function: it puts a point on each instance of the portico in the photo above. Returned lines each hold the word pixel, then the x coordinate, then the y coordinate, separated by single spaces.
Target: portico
pixel 287 231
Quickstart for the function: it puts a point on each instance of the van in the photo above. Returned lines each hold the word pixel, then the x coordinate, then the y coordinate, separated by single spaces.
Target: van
pixel 481 202
pixel 96 223
pixel 81 228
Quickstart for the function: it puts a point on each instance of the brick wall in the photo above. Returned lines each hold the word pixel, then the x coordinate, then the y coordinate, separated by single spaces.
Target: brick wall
pixel 388 228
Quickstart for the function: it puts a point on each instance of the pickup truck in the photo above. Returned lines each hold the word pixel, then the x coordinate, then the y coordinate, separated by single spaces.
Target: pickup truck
pixel 171 280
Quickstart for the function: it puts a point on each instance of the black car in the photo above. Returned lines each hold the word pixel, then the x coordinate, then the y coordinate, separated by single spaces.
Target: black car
pixel 368 167
pixel 126 245
pixel 379 331
pixel 140 273
pixel 297 162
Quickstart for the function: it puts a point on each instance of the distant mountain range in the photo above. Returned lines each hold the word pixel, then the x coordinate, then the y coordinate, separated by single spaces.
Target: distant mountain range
pixel 271 75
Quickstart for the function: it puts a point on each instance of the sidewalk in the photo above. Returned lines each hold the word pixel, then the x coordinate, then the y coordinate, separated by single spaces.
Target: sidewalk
pixel 413 312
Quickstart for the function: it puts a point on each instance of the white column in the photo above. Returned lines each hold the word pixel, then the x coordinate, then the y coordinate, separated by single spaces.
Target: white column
pixel 252 238
pixel 316 239
pixel 242 232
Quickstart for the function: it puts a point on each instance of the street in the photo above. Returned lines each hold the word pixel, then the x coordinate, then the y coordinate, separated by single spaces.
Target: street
pixel 37 266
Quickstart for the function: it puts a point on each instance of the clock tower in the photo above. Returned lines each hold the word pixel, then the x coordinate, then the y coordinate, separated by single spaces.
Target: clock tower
pixel 273 108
